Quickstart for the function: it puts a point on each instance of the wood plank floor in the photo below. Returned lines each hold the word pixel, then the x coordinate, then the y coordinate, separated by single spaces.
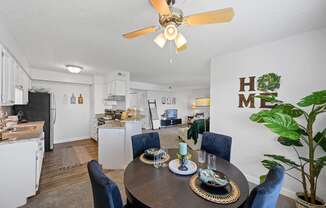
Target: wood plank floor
pixel 55 176
pixel 70 187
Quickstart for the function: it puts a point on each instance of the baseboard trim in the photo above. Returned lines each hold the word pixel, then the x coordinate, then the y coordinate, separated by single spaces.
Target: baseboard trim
pixel 59 141
pixel 284 191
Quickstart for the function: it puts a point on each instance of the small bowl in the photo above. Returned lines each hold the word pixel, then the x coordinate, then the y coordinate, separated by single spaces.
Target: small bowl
pixel 154 152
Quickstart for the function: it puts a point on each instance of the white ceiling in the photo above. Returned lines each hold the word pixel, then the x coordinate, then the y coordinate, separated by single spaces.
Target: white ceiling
pixel 54 33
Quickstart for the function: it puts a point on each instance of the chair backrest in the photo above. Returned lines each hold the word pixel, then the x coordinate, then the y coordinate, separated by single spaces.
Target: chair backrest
pixel 106 194
pixel 266 194
pixel 141 142
pixel 217 144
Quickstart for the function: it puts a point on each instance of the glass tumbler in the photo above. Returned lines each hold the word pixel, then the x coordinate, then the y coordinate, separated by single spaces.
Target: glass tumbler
pixel 157 161
pixel 211 162
pixel 201 156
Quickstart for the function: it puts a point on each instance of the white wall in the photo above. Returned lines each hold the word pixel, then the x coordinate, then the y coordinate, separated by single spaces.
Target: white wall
pixel 98 93
pixel 301 61
pixel 181 102
pixel 73 121
pixel 149 86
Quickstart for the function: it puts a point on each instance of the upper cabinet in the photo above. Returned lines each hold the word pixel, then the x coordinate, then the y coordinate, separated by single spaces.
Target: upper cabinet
pixel 118 83
pixel 118 88
pixel 8 79
pixel 14 81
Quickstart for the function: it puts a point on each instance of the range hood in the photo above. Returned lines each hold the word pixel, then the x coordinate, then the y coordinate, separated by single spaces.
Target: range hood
pixel 115 98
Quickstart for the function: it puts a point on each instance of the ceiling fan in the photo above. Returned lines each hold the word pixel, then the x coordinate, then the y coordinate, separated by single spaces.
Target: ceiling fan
pixel 170 18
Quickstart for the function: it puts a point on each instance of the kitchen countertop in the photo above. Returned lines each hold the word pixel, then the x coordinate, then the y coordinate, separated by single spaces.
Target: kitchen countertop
pixel 113 125
pixel 29 130
pixel 116 124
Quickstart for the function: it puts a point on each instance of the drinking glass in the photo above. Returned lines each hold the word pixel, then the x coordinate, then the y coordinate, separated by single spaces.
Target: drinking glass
pixel 157 161
pixel 201 156
pixel 164 164
pixel 211 162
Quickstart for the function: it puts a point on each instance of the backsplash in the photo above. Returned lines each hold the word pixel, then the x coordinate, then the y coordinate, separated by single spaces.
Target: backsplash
pixel 7 109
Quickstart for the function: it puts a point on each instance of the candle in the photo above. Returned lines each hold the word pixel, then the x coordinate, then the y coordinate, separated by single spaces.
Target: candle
pixel 183 149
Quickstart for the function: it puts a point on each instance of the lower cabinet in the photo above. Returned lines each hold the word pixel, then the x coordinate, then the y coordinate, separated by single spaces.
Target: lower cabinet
pixel 21 165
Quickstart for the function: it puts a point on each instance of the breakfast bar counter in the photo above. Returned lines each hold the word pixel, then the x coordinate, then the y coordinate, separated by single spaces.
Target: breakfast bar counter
pixel 114 143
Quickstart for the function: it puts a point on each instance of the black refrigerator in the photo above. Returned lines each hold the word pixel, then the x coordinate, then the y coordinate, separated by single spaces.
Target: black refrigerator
pixel 40 107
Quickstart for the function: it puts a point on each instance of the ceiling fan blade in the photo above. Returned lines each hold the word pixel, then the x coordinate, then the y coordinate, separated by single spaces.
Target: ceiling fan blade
pixel 212 17
pixel 140 32
pixel 161 7
pixel 182 48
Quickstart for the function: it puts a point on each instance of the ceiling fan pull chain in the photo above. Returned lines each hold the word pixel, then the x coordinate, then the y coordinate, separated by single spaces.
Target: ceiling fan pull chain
pixel 170 52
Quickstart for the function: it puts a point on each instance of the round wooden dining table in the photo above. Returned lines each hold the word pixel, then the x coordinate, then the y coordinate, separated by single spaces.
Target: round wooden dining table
pixel 147 186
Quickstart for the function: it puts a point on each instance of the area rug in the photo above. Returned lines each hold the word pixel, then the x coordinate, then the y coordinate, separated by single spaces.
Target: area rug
pixel 82 154
pixel 74 156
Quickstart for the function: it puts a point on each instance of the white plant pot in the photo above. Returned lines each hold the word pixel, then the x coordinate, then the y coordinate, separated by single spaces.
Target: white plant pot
pixel 300 203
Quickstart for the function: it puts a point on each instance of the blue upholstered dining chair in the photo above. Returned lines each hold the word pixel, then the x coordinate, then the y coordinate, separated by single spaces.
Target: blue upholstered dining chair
pixel 141 142
pixel 217 144
pixel 266 194
pixel 106 193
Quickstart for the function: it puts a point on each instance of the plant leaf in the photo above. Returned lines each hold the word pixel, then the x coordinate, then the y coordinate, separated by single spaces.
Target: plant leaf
pixel 320 163
pixel 289 142
pixel 302 132
pixel 320 139
pixel 262 178
pixel 283 125
pixel 269 98
pixel 316 98
pixel 269 164
pixel 259 117
pixel 289 109
pixel 283 160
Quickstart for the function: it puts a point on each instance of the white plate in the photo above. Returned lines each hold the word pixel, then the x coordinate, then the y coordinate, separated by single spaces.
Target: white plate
pixel 174 167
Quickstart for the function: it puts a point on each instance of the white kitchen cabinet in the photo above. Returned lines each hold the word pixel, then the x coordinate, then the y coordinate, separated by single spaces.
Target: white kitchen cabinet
pixel 8 78
pixel 118 88
pixel 114 144
pixel 15 83
pixel 21 164
pixel 26 83
pixel 1 76
pixel 94 125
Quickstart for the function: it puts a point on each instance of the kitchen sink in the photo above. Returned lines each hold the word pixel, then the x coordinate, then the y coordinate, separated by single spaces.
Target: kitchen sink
pixel 23 131
pixel 24 128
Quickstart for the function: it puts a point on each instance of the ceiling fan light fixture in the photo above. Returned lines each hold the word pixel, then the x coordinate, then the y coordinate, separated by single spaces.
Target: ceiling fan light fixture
pixel 180 40
pixel 171 31
pixel 160 40
pixel 182 48
pixel 74 69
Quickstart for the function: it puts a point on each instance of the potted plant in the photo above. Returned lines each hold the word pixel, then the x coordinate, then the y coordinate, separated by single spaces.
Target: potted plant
pixel 295 126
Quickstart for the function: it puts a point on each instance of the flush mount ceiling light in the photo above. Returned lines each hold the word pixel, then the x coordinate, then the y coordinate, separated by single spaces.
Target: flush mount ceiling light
pixel 170 18
pixel 74 69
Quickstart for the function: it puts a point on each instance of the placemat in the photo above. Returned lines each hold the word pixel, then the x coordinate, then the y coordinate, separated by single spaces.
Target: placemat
pixel 151 162
pixel 228 198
